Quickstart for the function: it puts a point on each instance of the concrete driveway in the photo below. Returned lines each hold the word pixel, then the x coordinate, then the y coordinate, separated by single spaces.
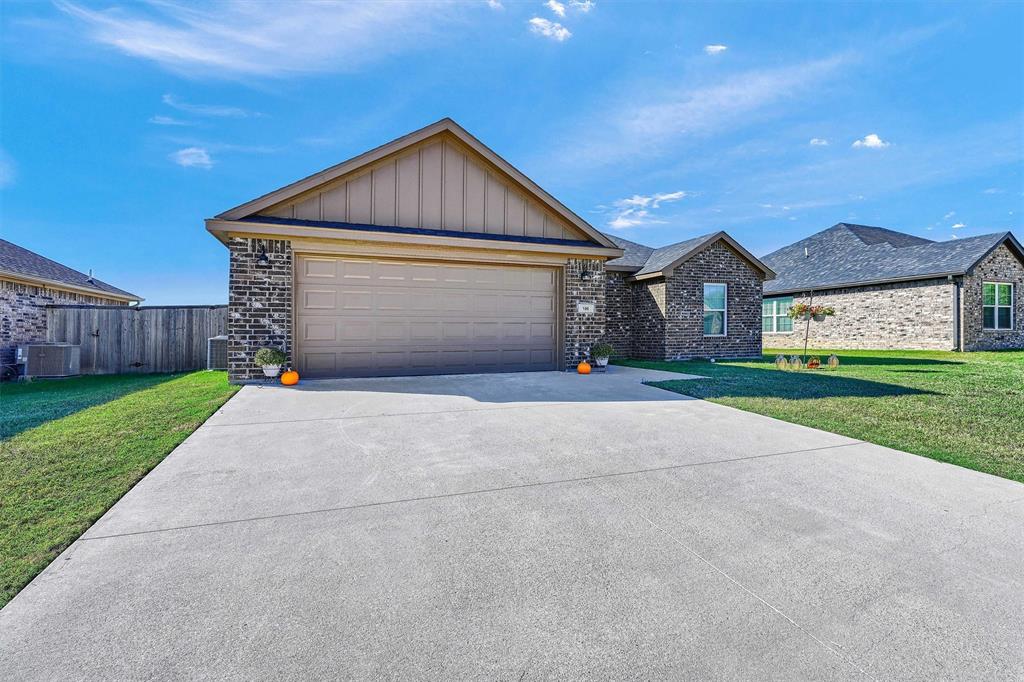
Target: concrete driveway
pixel 530 526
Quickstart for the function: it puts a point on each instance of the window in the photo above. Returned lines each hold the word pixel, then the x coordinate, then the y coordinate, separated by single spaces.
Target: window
pixel 997 305
pixel 775 315
pixel 715 316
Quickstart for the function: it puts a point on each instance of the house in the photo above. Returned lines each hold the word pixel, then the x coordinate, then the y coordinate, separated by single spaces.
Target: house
pixel 892 290
pixel 431 254
pixel 696 298
pixel 30 282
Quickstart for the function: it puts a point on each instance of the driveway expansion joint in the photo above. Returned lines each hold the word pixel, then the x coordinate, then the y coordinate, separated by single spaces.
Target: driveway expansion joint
pixel 465 493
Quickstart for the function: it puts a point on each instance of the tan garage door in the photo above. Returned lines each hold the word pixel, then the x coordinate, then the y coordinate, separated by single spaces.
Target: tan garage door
pixel 363 317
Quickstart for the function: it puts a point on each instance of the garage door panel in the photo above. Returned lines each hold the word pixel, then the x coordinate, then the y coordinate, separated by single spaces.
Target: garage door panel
pixel 362 317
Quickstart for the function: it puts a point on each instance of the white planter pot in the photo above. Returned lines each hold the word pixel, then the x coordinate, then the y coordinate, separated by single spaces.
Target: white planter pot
pixel 601 362
pixel 271 370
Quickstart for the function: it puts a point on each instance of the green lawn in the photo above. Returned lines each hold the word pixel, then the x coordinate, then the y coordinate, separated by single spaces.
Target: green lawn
pixel 963 408
pixel 71 448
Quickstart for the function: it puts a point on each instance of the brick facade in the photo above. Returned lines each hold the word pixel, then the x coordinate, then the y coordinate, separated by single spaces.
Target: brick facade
pixel 999 266
pixel 259 303
pixel 584 283
pixel 663 319
pixel 23 313
pixel 901 315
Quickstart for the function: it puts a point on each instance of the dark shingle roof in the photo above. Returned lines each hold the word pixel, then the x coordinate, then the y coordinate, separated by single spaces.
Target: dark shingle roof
pixel 643 260
pixel 16 260
pixel 846 255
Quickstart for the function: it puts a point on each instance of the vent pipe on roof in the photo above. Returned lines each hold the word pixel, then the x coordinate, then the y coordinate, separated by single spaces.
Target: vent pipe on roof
pixel 807 254
pixel 90 275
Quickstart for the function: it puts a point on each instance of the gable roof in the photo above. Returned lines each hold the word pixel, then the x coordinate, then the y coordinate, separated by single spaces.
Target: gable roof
pixel 20 263
pixel 645 262
pixel 445 125
pixel 859 255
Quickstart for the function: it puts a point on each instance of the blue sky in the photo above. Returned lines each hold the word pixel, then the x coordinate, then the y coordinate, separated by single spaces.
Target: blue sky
pixel 123 126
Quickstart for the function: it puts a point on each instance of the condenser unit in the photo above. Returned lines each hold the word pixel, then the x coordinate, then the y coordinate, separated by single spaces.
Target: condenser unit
pixel 49 359
pixel 217 352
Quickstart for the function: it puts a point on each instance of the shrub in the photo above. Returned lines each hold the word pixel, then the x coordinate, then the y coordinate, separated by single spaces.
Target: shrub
pixel 269 356
pixel 601 350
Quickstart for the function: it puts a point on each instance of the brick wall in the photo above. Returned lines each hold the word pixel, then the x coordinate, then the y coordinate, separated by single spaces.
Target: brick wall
pixel 583 329
pixel 901 315
pixel 649 319
pixel 684 297
pixel 23 313
pixel 259 303
pixel 618 300
pixel 999 266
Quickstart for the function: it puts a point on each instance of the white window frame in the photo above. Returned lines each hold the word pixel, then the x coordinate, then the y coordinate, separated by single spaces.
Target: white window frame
pixel 996 307
pixel 776 314
pixel 724 310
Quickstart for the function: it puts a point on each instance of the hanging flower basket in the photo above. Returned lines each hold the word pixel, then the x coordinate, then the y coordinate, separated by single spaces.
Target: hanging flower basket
pixel 816 312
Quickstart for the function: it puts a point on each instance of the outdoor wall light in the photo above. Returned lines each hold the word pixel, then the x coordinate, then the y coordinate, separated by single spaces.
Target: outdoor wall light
pixel 262 258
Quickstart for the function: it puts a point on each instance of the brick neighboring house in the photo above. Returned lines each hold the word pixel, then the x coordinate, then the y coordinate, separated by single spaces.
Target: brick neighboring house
pixel 893 290
pixel 433 255
pixel 30 282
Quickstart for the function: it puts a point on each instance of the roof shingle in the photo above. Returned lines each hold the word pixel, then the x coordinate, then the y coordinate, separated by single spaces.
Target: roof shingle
pixel 851 255
pixel 17 260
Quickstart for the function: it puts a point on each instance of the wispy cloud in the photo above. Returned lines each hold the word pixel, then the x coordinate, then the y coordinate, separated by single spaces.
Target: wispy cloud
pixel 957 226
pixel 556 7
pixel 495 4
pixel 237 38
pixel 636 210
pixel 167 121
pixel 192 157
pixel 715 49
pixel 949 215
pixel 993 190
pixel 870 141
pixel 550 29
pixel 818 142
pixel 582 5
pixel 217 110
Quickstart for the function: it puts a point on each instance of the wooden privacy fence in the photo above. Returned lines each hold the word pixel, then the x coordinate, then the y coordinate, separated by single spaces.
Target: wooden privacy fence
pixel 140 339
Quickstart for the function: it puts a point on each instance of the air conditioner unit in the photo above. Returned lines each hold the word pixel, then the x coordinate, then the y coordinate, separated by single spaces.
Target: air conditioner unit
pixel 49 359
pixel 217 352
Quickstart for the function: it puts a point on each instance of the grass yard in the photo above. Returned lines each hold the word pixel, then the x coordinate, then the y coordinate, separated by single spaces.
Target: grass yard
pixel 69 449
pixel 963 408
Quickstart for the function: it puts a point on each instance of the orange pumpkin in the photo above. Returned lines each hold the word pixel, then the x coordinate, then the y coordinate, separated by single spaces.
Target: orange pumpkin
pixel 583 367
pixel 290 378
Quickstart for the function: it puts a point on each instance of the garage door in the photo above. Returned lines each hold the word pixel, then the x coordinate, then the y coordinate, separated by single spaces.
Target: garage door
pixel 362 317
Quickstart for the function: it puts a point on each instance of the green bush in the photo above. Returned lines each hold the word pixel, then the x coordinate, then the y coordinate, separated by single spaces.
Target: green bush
pixel 269 356
pixel 601 350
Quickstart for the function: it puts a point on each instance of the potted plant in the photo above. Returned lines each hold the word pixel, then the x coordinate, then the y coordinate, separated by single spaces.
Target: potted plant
pixel 270 359
pixel 601 352
pixel 816 312
pixel 814 362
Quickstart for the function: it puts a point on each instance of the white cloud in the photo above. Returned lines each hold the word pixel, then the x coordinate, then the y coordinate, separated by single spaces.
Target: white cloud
pixel 715 49
pixel 7 172
pixel 238 38
pixel 192 157
pixel 818 142
pixel 495 4
pixel 550 29
pixel 582 5
pixel 993 190
pixel 957 226
pixel 556 7
pixel 218 110
pixel 167 121
pixel 871 141
pixel 636 210
pixel 949 215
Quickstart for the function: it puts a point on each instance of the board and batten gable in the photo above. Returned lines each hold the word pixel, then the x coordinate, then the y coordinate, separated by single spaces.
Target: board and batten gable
pixel 438 184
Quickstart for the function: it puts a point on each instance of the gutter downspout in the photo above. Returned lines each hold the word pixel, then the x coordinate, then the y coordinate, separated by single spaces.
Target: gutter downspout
pixel 958 339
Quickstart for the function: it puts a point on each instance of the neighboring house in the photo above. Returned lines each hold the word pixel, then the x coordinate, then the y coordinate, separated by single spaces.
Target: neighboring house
pixel 30 282
pixel 696 298
pixel 898 291
pixel 433 255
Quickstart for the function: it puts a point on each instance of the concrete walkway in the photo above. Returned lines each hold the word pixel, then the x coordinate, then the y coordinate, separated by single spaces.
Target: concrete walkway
pixel 530 526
